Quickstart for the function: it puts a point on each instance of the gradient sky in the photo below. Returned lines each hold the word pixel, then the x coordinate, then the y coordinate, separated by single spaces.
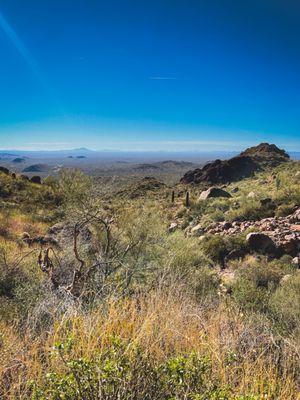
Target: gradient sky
pixel 149 74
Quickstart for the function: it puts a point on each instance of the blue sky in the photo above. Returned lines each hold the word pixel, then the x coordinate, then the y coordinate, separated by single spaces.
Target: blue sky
pixel 149 75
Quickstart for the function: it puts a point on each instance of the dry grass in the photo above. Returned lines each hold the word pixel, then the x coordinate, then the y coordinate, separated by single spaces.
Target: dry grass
pixel 244 356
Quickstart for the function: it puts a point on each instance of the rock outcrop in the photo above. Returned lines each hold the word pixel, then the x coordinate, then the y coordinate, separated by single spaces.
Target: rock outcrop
pixel 242 166
pixel 261 243
pixel 213 192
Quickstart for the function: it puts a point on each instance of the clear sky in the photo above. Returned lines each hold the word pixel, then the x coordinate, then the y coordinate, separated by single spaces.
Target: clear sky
pixel 149 74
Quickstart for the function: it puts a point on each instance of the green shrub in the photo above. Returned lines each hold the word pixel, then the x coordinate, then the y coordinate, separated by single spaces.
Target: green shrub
pixel 218 247
pixel 122 373
pixel 284 304
pixel 255 284
pixel 206 283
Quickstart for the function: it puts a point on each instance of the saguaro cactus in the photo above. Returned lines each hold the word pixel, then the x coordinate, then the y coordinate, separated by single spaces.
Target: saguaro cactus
pixel 173 196
pixel 187 199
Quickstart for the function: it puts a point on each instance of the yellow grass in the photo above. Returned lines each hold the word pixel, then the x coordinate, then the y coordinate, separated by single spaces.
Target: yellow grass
pixel 163 325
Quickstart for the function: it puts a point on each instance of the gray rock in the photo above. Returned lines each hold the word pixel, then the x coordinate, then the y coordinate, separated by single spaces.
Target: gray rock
pixel 173 226
pixel 214 192
pixel 197 230
pixel 296 261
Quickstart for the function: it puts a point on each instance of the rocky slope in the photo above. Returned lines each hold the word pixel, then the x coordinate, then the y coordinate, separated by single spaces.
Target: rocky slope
pixel 244 165
pixel 275 236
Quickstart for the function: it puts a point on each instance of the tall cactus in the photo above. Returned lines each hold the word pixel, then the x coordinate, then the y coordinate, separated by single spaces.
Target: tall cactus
pixel 187 199
pixel 173 196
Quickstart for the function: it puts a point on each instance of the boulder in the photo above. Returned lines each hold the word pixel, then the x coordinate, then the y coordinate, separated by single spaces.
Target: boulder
pixel 296 261
pixel 214 192
pixel 251 195
pixel 261 243
pixel 197 230
pixel 173 226
pixel 36 179
pixel 290 245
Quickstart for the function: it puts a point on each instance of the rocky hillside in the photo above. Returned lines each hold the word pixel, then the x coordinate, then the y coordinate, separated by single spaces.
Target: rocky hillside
pixel 242 166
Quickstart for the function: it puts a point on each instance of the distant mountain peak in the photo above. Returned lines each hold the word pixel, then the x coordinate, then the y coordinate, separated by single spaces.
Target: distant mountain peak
pixel 82 149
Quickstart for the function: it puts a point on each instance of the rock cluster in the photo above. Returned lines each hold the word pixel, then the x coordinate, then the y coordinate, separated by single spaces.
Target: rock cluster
pixel 274 236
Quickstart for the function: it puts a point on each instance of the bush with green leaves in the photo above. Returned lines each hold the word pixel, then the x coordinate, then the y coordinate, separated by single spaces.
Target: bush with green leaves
pixel 123 371
pixel 218 247
pixel 284 304
pixel 255 283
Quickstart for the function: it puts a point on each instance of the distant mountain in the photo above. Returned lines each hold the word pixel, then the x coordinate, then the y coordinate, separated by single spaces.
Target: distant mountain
pixel 19 160
pixel 50 153
pixel 83 149
pixel 36 168
pixel 7 155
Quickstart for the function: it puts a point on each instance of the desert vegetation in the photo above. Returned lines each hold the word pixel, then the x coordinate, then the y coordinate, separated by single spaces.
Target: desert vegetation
pixel 139 293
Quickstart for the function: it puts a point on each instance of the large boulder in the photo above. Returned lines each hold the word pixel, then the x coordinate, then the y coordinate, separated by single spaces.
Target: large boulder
pixel 261 243
pixel 214 192
pixel 36 179
pixel 290 245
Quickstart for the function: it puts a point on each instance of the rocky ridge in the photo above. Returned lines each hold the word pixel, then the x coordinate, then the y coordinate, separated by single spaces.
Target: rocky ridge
pixel 242 166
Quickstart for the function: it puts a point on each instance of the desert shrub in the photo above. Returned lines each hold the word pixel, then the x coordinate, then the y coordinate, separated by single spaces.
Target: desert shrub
pixel 75 190
pixel 20 286
pixel 211 210
pixel 218 247
pixel 285 209
pixel 120 372
pixel 249 210
pixel 284 304
pixel 206 283
pixel 255 284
